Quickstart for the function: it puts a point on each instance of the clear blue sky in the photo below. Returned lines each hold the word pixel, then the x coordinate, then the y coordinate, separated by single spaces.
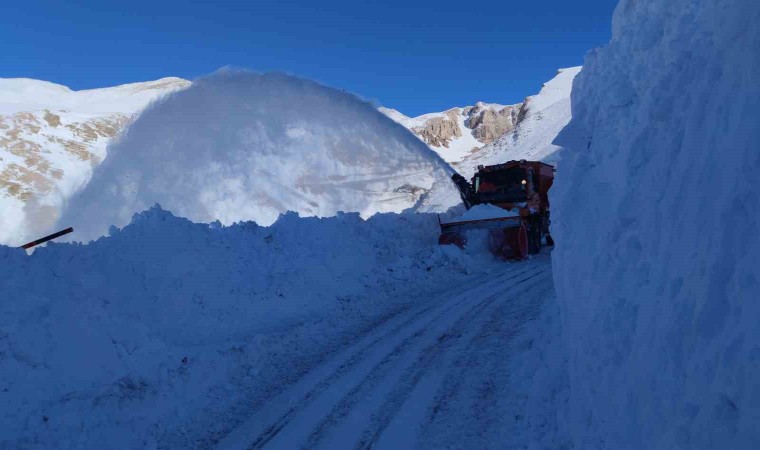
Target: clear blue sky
pixel 415 56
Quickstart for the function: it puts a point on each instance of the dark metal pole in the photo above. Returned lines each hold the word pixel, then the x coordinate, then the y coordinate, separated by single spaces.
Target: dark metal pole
pixel 47 238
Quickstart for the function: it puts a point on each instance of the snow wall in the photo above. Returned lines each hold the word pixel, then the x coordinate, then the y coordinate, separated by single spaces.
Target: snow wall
pixel 168 331
pixel 238 145
pixel 657 217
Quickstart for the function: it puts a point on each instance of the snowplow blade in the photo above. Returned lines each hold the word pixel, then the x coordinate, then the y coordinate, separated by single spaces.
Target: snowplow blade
pixel 507 236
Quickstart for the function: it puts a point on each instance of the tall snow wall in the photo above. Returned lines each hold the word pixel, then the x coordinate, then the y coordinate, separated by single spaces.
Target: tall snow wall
pixel 657 219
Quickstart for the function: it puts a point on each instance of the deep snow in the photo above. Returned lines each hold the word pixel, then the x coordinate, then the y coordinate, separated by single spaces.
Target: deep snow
pixel 237 145
pixel 656 221
pixel 168 331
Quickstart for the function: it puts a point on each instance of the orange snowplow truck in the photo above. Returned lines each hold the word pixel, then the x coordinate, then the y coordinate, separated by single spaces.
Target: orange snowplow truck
pixel 521 189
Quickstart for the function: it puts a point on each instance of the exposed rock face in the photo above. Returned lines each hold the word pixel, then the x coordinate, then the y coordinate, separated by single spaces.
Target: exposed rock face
pixel 39 141
pixel 459 132
pixel 489 124
pixel 439 131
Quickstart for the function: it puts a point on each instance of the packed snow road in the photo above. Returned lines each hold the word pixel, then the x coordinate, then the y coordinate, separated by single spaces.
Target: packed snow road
pixel 420 379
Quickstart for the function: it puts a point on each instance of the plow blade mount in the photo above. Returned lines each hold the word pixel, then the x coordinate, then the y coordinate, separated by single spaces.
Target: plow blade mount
pixel 507 236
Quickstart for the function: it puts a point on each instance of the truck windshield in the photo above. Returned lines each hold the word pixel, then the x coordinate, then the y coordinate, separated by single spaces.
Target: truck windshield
pixel 502 186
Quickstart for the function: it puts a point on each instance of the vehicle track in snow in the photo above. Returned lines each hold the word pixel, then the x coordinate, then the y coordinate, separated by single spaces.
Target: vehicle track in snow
pixel 383 390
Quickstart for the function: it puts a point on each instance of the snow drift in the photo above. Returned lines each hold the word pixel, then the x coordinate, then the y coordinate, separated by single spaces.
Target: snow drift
pixel 168 331
pixel 243 146
pixel 656 209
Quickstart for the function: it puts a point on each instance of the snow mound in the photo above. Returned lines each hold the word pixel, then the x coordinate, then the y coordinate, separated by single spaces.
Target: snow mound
pixel 243 146
pixel 656 219
pixel 156 335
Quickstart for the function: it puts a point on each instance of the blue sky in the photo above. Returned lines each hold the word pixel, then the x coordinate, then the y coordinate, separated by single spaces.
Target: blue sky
pixel 415 56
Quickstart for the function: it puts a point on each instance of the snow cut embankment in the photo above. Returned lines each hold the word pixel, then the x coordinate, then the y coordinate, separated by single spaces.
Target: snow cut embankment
pixel 656 219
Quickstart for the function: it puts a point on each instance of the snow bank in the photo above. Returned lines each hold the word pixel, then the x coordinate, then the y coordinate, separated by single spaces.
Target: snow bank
pixel 656 219
pixel 242 146
pixel 168 331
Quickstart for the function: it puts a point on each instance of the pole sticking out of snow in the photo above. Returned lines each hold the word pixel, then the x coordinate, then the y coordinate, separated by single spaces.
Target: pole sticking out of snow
pixel 47 238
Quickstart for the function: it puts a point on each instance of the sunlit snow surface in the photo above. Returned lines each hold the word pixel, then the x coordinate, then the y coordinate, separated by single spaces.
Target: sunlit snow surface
pixel 656 217
pixel 243 146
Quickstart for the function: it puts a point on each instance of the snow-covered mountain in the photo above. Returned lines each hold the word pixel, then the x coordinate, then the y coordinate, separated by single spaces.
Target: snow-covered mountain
pixel 459 132
pixel 541 118
pixel 489 133
pixel 51 138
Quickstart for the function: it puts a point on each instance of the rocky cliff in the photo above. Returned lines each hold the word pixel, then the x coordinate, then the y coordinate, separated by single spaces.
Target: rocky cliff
pixel 458 132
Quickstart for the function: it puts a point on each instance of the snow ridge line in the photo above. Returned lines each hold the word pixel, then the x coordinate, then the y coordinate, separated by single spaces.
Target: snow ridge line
pixel 431 355
pixel 298 398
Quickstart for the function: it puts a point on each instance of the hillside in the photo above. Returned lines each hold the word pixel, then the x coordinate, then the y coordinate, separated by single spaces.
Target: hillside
pixel 489 133
pixel 51 139
pixel 459 132
pixel 542 116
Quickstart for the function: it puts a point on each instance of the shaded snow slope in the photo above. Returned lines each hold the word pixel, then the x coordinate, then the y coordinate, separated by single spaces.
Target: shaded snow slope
pixel 51 138
pixel 170 331
pixel 656 214
pixel 541 118
pixel 244 146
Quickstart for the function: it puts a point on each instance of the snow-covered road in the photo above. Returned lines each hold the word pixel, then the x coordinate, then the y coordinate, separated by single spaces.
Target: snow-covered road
pixel 432 376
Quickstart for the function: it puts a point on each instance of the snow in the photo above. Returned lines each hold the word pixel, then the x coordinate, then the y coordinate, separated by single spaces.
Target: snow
pixel 168 332
pixel 546 114
pixel 394 115
pixel 483 212
pixel 24 95
pixel 655 214
pixel 458 147
pixel 49 160
pixel 442 375
pixel 243 146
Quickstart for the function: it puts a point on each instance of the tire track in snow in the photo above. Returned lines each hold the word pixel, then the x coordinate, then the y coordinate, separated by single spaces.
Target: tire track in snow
pixel 355 359
pixel 461 338
pixel 322 389
pixel 493 339
pixel 380 381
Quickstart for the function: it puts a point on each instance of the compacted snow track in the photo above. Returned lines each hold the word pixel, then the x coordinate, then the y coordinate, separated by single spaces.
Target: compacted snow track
pixel 410 379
